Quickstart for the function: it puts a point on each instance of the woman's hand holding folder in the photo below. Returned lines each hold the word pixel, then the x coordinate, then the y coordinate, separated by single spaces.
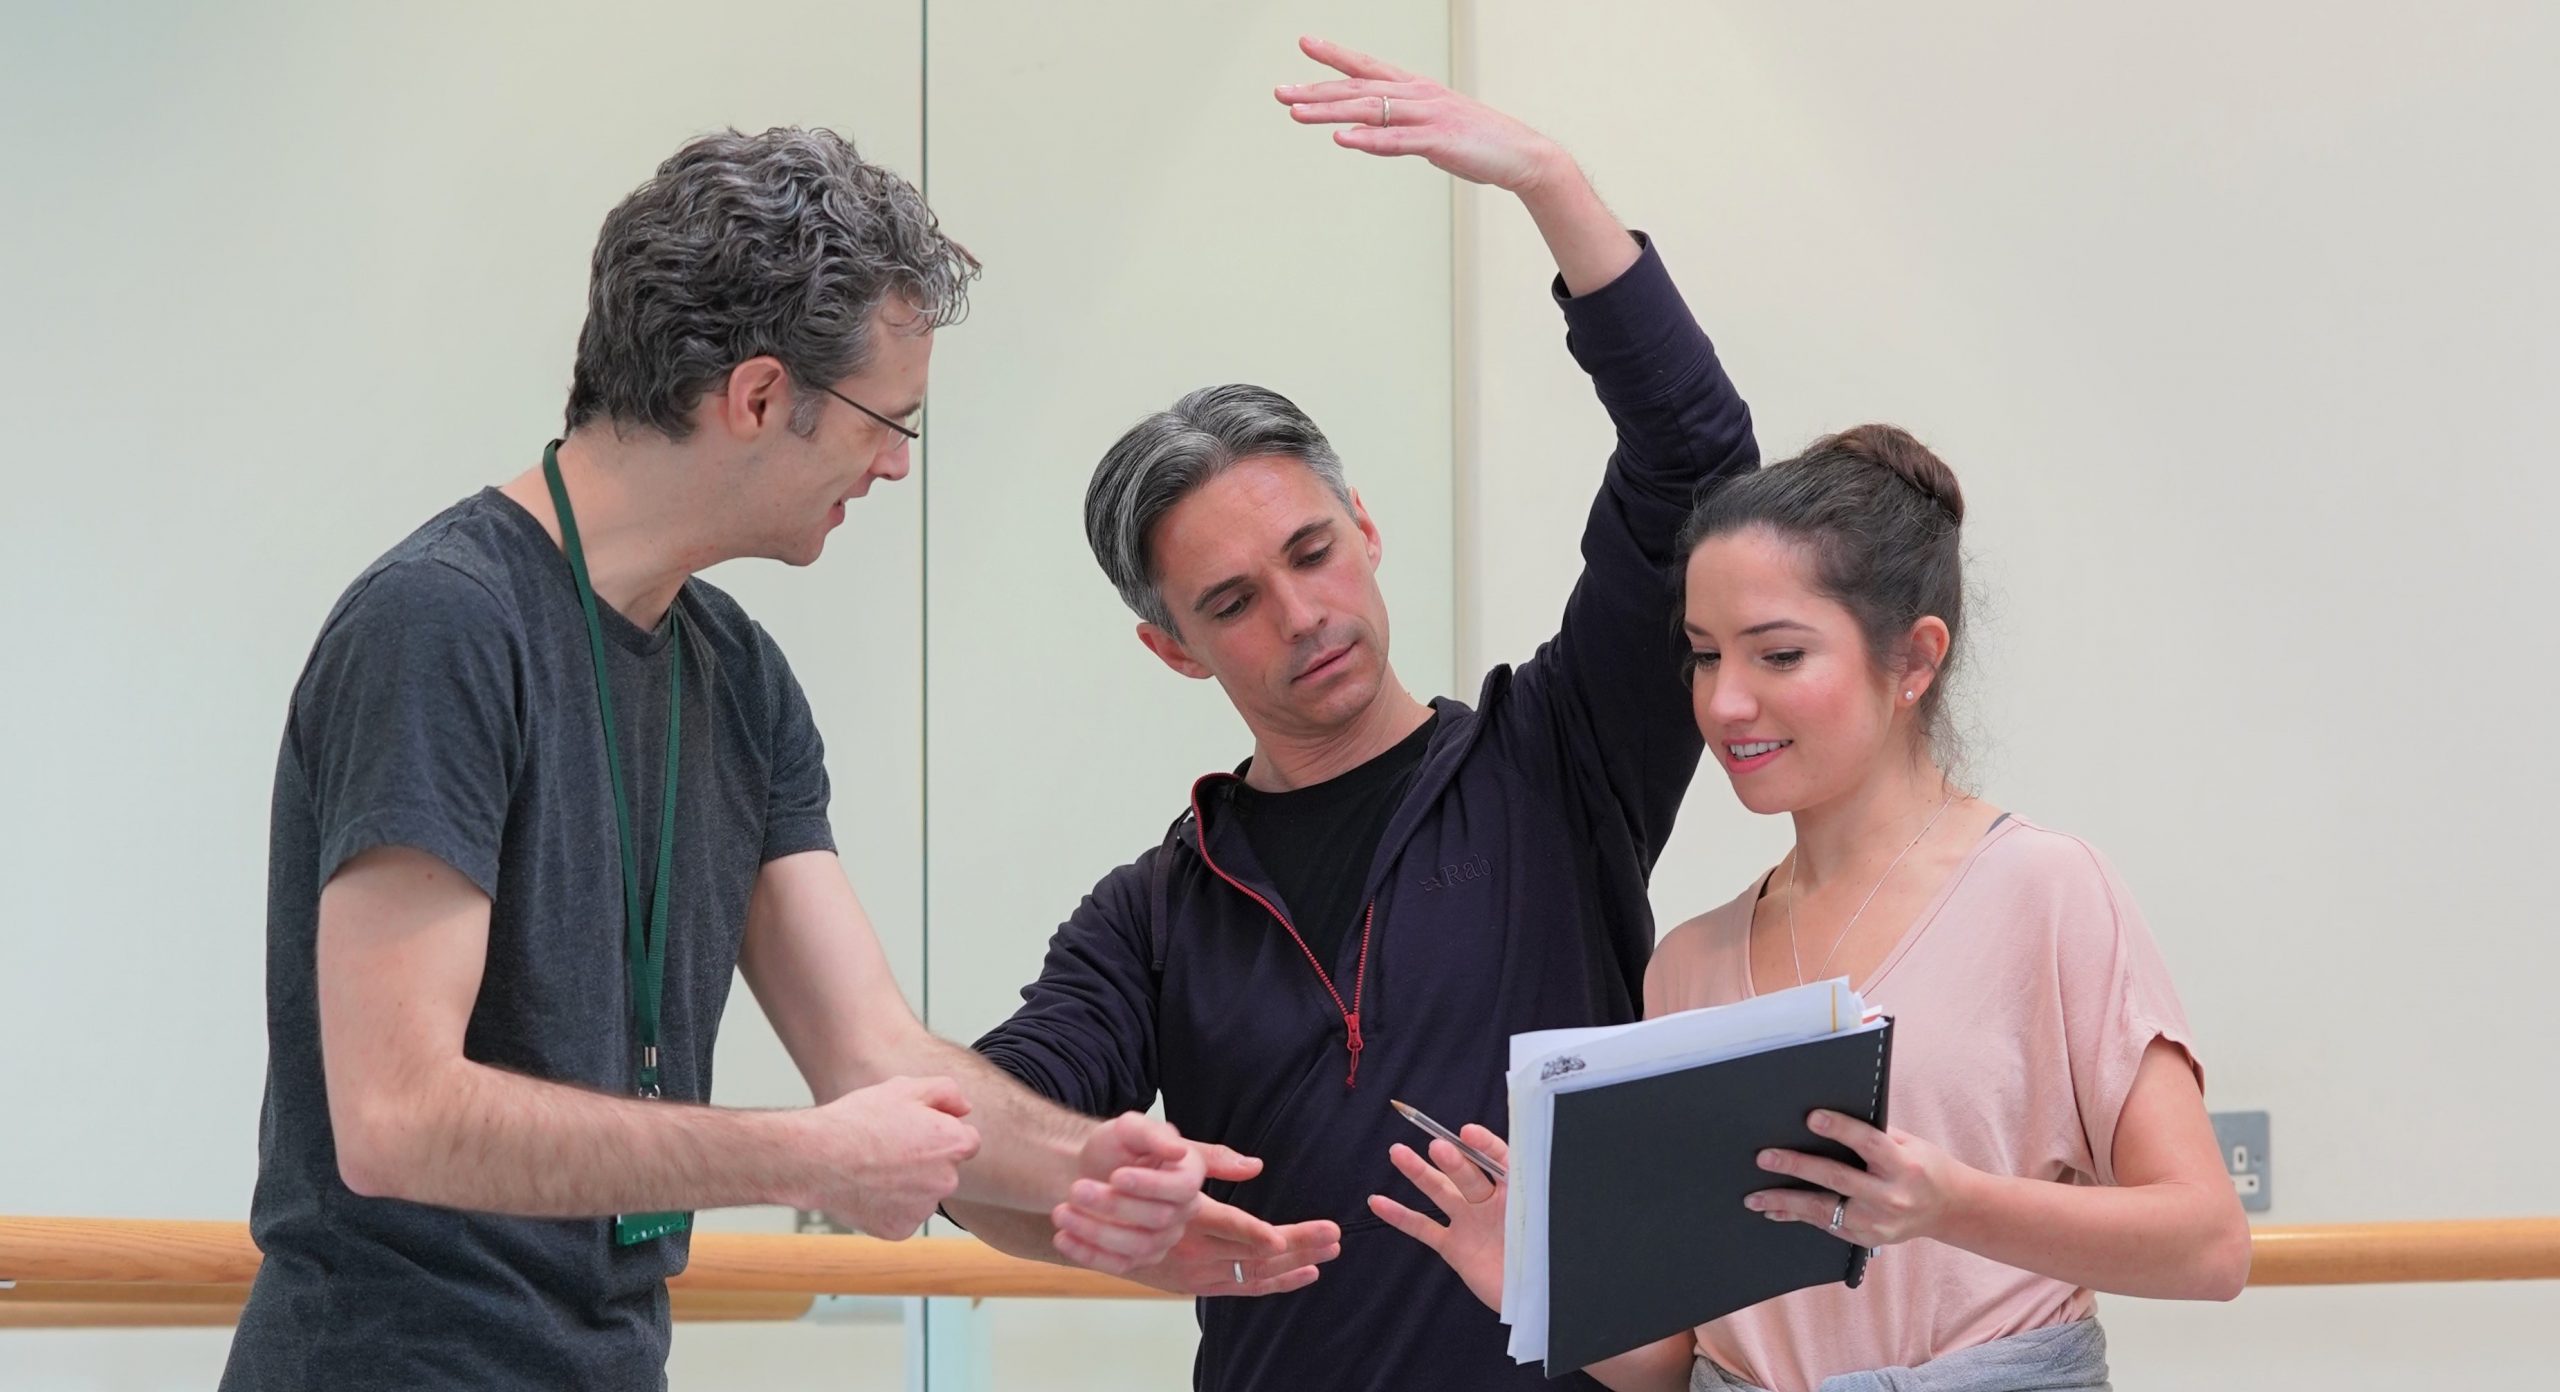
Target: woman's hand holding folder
pixel 1902 1193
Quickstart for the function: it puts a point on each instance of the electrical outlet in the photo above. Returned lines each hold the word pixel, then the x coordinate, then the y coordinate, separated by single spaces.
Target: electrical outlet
pixel 2245 1156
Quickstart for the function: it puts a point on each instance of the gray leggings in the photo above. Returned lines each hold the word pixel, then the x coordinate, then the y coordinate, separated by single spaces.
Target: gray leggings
pixel 2058 1358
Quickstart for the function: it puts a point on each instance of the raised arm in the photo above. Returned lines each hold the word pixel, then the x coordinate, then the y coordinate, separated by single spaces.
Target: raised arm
pixel 1384 110
pixel 1610 711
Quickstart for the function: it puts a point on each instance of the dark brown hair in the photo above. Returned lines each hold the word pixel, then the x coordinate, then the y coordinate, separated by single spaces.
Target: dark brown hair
pixel 1881 517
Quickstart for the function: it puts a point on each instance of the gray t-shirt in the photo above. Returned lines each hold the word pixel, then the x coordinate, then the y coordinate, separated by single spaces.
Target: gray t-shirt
pixel 450 705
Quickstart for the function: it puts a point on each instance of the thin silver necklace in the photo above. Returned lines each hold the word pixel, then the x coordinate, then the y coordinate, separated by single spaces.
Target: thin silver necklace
pixel 1797 854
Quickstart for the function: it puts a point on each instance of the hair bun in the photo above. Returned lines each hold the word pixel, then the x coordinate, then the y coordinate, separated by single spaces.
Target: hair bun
pixel 1892 449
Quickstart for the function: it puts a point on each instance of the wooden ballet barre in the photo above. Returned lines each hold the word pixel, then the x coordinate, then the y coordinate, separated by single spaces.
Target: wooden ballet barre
pixel 178 1252
pixel 2380 1254
pixel 75 1314
pixel 160 1251
pixel 138 1273
pixel 143 1304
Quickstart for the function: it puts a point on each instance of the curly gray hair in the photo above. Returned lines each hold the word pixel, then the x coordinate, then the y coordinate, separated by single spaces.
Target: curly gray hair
pixel 784 244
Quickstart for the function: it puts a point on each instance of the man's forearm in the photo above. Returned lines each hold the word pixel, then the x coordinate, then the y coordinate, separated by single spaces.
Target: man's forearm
pixel 1028 1144
pixel 1590 245
pixel 1016 1232
pixel 481 1138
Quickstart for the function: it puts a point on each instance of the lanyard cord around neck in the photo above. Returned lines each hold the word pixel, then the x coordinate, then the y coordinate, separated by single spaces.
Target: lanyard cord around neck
pixel 645 936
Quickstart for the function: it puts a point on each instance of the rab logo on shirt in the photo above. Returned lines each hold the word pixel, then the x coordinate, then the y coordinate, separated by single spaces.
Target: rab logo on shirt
pixel 1452 876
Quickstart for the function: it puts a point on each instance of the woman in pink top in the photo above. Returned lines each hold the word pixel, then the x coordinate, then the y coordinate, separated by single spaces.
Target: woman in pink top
pixel 2052 1139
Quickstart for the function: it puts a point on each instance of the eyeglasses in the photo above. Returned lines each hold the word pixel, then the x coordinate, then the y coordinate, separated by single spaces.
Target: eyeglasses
pixel 899 427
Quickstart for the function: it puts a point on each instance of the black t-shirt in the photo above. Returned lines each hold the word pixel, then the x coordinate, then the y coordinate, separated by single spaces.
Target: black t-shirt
pixel 1316 842
pixel 450 705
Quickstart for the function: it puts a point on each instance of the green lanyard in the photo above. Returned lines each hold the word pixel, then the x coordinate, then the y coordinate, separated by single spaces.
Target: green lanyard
pixel 645 938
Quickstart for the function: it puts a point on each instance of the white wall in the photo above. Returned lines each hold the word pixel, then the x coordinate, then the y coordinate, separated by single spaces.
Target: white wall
pixel 2233 320
pixel 2236 323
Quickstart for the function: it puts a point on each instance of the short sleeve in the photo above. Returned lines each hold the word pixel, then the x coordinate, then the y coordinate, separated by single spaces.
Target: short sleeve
pixel 2116 998
pixel 406 721
pixel 796 805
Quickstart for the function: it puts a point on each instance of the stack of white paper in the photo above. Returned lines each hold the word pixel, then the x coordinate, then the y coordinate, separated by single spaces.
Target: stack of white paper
pixel 1547 1062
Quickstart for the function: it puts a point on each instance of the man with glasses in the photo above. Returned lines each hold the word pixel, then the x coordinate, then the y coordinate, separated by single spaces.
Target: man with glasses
pixel 541 790
pixel 906 426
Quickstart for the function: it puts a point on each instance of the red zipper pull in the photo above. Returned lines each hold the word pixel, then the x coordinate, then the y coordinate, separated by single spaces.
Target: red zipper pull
pixel 1351 1023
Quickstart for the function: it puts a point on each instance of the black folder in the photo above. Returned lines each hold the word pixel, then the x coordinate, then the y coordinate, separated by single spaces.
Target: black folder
pixel 1646 1232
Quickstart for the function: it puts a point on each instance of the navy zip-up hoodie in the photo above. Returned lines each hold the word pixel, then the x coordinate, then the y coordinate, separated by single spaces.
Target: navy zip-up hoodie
pixel 1507 894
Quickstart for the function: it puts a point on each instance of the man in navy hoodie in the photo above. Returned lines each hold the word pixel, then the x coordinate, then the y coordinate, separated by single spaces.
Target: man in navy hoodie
pixel 1387 889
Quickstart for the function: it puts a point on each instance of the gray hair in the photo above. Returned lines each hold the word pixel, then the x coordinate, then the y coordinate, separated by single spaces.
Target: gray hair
pixel 1162 458
pixel 784 244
